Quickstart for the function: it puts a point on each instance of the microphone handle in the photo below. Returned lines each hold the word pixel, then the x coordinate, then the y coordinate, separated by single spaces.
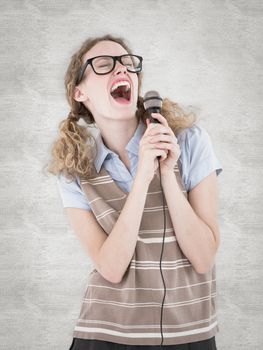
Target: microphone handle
pixel 151 110
pixel 154 120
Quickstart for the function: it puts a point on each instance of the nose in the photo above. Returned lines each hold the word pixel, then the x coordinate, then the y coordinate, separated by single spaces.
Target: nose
pixel 120 68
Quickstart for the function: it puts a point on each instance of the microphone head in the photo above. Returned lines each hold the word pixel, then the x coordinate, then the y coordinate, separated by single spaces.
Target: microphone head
pixel 152 100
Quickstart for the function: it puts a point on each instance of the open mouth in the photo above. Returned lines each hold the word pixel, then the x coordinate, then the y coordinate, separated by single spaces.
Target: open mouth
pixel 121 92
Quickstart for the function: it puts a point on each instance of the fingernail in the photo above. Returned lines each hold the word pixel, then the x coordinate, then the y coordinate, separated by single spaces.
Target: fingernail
pixel 152 125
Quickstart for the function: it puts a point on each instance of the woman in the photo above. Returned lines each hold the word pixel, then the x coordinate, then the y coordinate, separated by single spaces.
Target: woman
pixel 114 202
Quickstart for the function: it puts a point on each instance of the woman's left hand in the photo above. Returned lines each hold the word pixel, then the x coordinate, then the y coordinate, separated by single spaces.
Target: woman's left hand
pixel 164 138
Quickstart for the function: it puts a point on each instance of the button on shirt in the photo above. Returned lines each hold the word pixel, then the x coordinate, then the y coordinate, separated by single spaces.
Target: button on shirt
pixel 197 160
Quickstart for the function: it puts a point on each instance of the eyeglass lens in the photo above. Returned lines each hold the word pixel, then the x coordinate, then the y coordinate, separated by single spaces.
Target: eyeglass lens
pixel 105 64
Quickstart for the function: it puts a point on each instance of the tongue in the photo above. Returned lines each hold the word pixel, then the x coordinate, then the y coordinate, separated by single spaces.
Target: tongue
pixel 121 100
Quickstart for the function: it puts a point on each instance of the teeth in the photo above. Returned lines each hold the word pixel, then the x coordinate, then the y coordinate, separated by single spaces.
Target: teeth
pixel 120 83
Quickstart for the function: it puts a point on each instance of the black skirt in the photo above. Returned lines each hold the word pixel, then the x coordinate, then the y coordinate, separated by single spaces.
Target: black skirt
pixel 92 344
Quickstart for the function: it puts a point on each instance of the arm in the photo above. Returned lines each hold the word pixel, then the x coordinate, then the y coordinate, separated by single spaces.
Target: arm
pixel 195 222
pixel 118 248
pixel 111 254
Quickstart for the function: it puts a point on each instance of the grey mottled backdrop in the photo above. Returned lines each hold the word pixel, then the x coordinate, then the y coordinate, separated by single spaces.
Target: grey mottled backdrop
pixel 203 54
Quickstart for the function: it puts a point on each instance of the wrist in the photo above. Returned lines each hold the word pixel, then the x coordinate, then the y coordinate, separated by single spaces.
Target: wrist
pixel 142 180
pixel 167 173
pixel 169 179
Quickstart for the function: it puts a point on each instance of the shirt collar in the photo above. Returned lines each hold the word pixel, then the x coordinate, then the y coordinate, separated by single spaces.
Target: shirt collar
pixel 104 152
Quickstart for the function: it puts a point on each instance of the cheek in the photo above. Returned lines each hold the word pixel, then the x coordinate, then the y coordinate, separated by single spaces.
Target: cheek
pixel 96 90
pixel 135 85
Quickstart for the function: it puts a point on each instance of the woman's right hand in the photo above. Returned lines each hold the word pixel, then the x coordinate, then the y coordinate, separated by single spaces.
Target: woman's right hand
pixel 148 152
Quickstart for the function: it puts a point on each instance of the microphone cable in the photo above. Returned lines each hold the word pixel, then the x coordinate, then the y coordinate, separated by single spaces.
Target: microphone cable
pixel 164 219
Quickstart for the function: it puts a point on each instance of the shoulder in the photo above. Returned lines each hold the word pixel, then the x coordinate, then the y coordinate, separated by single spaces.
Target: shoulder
pixel 71 193
pixel 194 141
pixel 192 135
pixel 64 182
pixel 197 158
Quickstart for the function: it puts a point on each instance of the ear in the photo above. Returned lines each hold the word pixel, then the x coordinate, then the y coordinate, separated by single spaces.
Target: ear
pixel 79 95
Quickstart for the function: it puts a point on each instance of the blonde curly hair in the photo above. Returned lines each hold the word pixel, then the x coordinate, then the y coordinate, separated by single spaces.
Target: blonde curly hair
pixel 72 152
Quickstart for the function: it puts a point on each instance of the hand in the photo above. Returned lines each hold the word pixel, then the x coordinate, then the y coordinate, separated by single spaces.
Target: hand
pixel 148 153
pixel 163 137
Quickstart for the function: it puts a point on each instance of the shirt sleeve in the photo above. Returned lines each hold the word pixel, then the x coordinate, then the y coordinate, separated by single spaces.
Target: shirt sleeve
pixel 199 159
pixel 71 194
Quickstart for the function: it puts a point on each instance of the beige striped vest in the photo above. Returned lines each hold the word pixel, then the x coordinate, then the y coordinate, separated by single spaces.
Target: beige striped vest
pixel 129 312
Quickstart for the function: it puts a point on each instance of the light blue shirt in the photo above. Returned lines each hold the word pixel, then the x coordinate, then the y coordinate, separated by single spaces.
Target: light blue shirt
pixel 197 160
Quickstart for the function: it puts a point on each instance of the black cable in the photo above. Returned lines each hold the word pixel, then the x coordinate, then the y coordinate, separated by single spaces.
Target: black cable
pixel 162 255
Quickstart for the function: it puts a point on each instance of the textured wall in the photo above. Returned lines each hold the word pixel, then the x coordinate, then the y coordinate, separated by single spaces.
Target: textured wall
pixel 203 54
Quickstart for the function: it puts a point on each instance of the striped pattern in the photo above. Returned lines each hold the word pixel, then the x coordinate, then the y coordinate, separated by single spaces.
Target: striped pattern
pixel 130 312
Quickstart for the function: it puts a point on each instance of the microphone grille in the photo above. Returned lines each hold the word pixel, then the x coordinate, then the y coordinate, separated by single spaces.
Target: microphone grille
pixel 152 99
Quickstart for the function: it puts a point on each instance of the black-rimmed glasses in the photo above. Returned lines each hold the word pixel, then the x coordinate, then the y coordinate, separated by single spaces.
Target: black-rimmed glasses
pixel 105 64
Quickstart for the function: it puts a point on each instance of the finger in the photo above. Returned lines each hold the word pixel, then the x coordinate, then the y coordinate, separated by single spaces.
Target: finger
pixel 164 145
pixel 163 131
pixel 168 146
pixel 147 122
pixel 158 129
pixel 163 156
pixel 161 118
pixel 161 137
pixel 150 126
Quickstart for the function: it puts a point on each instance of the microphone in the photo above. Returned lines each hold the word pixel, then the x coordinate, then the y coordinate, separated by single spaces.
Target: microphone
pixel 152 103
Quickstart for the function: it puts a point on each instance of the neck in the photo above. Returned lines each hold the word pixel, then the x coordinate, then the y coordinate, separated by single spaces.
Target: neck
pixel 117 135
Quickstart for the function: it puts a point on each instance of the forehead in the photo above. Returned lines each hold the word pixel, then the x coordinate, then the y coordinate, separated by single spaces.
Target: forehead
pixel 105 48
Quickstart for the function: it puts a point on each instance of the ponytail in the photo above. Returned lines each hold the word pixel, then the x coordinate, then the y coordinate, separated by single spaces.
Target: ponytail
pixel 73 151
